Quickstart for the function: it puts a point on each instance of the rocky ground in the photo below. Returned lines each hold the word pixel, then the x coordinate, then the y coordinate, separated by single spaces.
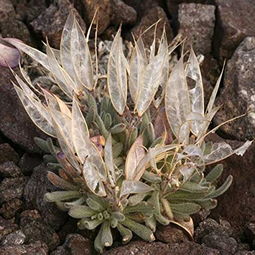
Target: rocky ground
pixel 220 30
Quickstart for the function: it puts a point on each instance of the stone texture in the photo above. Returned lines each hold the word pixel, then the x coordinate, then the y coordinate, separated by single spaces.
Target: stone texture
pixel 14 238
pixel 15 123
pixel 173 5
pixel 103 17
pixel 7 153
pixel 9 209
pixel 238 94
pixel 28 162
pixel 51 22
pixel 34 192
pixel 122 13
pixel 6 227
pixel 150 18
pixel 10 26
pixel 11 188
pixel 197 24
pixel 250 233
pixel 237 205
pixel 9 169
pixel 35 229
pixel 171 234
pixel 144 248
pixel 37 248
pixel 75 244
pixel 29 10
pixel 235 19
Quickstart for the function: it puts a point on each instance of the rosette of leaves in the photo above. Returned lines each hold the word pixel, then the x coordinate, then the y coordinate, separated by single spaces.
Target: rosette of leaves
pixel 116 169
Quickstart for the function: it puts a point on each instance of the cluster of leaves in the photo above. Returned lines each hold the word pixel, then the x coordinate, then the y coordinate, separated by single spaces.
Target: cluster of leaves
pixel 116 163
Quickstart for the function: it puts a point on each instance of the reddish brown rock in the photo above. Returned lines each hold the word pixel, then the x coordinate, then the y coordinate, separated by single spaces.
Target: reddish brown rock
pixel 7 153
pixel 10 208
pixel 34 193
pixel 6 227
pixel 36 248
pixel 15 123
pixel 235 21
pixel 75 244
pixel 145 248
pixel 197 25
pixel 51 22
pixel 150 18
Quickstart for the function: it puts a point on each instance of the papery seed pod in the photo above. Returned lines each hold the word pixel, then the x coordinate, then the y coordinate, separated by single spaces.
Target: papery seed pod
pixel 61 196
pixel 118 128
pixel 125 233
pixel 106 237
pixel 81 211
pixel 89 224
pixel 141 230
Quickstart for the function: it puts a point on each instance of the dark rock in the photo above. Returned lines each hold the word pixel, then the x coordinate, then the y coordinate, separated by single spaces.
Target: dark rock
pixel 37 248
pixel 9 209
pixel 250 233
pixel 238 94
pixel 10 169
pixel 122 13
pixel 143 248
pixel 173 5
pixel 150 18
pixel 7 153
pixel 103 17
pixel 35 229
pixel 51 22
pixel 235 19
pixel 6 227
pixel 15 123
pixel 171 234
pixel 238 209
pixel 34 193
pixel 11 188
pixel 197 24
pixel 28 162
pixel 245 253
pixel 9 25
pixel 75 244
pixel 29 10
pixel 14 238
pixel 211 226
pixel 225 244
